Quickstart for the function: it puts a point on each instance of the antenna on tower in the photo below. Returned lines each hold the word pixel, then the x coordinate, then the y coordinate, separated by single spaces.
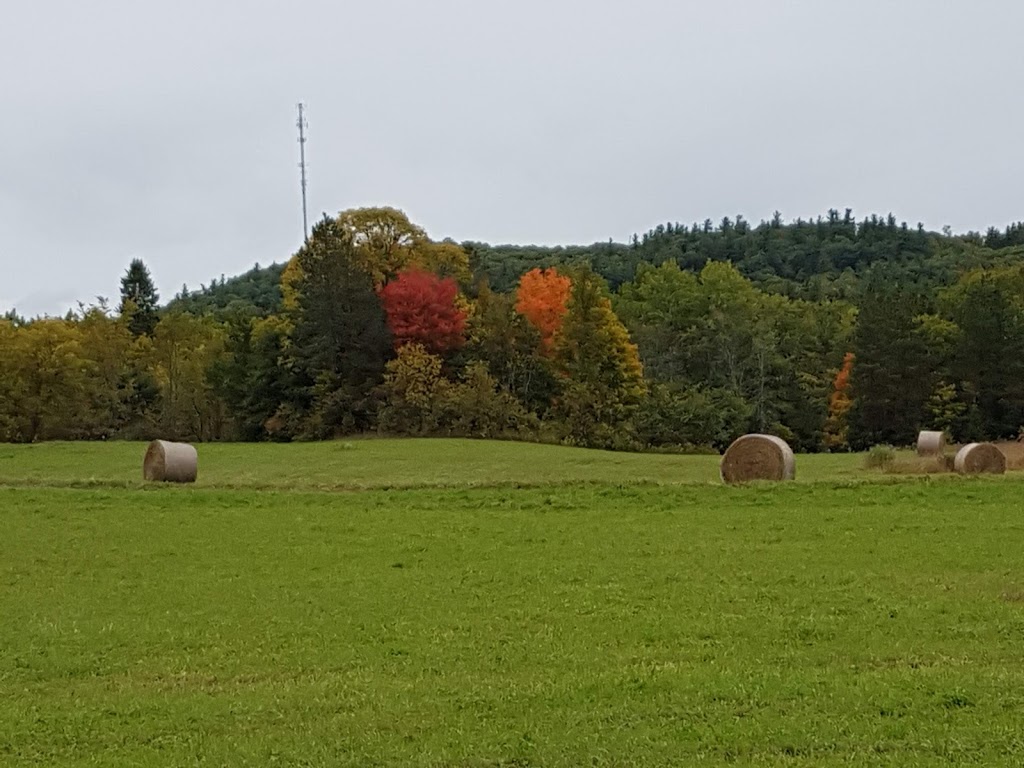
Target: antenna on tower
pixel 302 125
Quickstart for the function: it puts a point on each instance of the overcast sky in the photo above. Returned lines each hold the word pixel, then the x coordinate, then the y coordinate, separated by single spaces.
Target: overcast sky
pixel 166 131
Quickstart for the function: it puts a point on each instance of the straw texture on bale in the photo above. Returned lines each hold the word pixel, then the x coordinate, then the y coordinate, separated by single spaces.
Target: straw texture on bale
pixel 977 458
pixel 758 457
pixel 170 462
pixel 931 443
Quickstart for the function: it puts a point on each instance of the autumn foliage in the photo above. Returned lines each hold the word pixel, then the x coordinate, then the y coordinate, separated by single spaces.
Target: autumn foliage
pixel 421 309
pixel 543 299
pixel 839 404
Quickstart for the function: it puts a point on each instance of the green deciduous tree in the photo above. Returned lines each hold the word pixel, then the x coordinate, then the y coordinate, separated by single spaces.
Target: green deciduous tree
pixel 419 400
pixel 120 391
pixel 716 332
pixel 185 350
pixel 256 378
pixel 12 381
pixel 678 416
pixel 506 341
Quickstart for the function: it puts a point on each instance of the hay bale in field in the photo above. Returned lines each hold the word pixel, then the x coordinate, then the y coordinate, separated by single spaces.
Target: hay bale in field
pixel 170 462
pixel 931 443
pixel 978 458
pixel 758 457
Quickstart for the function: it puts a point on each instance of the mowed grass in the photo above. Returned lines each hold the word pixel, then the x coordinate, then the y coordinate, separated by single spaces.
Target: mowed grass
pixel 584 623
pixel 383 464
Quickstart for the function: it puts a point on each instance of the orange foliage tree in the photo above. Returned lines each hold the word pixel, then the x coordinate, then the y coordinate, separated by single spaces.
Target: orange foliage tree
pixel 543 299
pixel 839 404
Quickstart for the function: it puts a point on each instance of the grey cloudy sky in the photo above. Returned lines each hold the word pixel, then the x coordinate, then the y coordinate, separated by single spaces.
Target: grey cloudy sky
pixel 166 131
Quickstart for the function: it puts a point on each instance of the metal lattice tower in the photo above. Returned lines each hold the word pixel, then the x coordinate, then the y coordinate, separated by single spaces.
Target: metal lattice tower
pixel 302 125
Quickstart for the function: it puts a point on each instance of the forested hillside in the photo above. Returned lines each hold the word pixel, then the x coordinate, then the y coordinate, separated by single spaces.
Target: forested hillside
pixel 833 333
pixel 821 259
pixel 257 291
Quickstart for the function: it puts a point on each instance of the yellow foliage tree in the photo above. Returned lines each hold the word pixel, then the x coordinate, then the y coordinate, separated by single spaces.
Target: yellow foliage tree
pixel 384 243
pixel 412 384
pixel 184 350
pixel 48 380
pixel 601 368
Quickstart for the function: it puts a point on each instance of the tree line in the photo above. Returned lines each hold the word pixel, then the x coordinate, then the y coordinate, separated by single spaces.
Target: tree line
pixel 835 334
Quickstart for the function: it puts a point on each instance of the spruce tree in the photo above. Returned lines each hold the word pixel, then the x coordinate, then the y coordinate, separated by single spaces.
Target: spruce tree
pixel 341 341
pixel 989 358
pixel 891 379
pixel 139 299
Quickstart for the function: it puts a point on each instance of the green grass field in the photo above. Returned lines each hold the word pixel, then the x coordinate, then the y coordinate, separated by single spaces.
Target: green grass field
pixel 455 603
pixel 383 464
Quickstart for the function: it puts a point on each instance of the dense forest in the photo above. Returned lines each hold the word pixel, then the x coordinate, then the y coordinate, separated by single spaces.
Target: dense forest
pixel 835 334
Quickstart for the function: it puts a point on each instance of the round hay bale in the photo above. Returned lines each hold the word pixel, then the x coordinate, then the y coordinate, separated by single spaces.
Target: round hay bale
pixel 170 462
pixel 978 458
pixel 931 443
pixel 758 457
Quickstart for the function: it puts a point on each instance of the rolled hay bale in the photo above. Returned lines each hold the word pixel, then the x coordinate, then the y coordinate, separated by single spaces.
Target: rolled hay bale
pixel 170 462
pixel 758 457
pixel 979 458
pixel 931 443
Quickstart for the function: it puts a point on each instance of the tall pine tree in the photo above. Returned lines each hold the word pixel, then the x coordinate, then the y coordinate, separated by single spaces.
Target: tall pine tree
pixel 341 340
pixel 139 299
pixel 989 358
pixel 892 380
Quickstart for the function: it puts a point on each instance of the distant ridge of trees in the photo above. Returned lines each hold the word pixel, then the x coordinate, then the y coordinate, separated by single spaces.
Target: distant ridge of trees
pixel 823 258
pixel 812 259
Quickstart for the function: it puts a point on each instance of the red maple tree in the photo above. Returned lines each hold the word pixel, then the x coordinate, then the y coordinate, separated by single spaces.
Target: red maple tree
pixel 421 308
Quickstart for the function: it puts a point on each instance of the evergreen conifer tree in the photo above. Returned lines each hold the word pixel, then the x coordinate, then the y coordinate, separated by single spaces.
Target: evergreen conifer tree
pixel 139 299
